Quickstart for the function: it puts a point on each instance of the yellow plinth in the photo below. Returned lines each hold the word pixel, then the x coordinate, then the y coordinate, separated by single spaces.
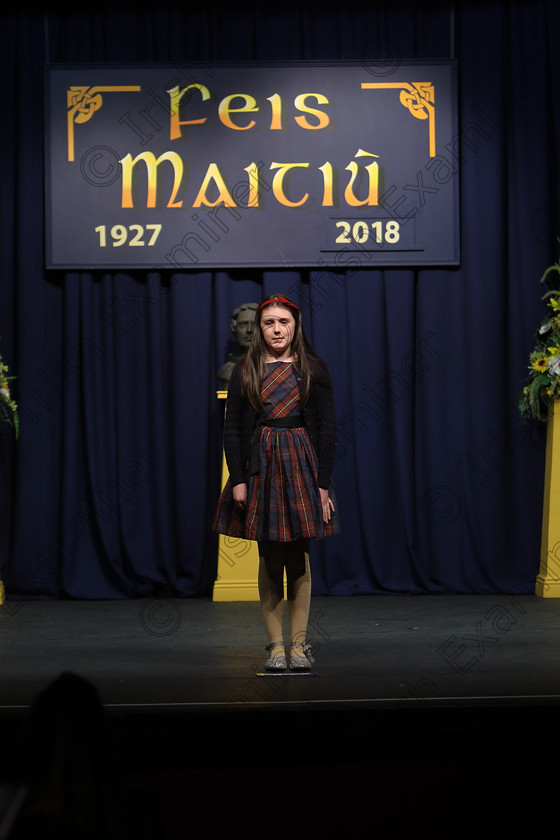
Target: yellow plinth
pixel 238 561
pixel 2 594
pixel 548 579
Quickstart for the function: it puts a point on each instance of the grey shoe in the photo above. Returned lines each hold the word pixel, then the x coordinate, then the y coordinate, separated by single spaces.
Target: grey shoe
pixel 275 663
pixel 301 662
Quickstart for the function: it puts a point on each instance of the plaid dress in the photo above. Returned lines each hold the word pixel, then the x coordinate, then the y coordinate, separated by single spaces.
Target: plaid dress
pixel 283 501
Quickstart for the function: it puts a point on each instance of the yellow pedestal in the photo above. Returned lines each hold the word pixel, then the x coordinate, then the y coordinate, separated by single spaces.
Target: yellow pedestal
pixel 2 594
pixel 238 560
pixel 548 579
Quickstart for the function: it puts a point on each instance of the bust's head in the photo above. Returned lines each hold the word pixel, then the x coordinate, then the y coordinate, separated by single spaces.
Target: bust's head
pixel 243 322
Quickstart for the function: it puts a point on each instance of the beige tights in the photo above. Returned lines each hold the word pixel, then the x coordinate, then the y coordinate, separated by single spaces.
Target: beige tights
pixel 274 557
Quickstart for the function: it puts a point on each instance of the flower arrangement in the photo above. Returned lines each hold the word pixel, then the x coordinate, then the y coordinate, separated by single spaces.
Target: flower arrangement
pixel 8 406
pixel 543 384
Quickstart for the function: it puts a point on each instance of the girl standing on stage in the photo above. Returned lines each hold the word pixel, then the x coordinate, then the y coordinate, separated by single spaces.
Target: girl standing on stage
pixel 280 444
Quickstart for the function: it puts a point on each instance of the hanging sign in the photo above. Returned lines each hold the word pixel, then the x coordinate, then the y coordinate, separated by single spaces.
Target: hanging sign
pixel 275 165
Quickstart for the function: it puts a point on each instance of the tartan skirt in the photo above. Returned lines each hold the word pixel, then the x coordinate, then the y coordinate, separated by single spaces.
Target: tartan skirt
pixel 283 501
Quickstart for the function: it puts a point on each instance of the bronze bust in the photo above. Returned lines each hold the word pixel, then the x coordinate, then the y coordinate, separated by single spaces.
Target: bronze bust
pixel 241 325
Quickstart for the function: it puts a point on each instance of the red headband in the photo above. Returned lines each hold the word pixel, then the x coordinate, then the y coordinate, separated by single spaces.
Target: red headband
pixel 282 301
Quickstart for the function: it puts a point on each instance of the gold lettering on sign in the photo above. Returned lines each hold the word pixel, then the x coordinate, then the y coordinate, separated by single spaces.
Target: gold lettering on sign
pixel 151 163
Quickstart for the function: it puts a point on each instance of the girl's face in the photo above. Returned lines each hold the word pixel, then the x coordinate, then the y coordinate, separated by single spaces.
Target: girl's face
pixel 277 327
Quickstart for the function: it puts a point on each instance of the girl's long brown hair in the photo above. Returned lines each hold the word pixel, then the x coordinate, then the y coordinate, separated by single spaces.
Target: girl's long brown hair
pixel 253 366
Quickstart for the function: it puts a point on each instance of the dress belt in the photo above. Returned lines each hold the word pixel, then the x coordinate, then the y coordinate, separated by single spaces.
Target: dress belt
pixel 294 421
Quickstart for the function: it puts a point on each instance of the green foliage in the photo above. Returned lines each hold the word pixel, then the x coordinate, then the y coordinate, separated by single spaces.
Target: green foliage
pixel 8 406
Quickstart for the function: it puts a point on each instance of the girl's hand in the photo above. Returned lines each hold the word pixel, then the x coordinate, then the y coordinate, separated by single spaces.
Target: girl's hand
pixel 240 495
pixel 326 504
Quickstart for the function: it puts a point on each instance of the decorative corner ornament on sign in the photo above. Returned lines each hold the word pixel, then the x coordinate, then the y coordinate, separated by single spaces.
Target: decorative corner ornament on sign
pixel 83 102
pixel 419 98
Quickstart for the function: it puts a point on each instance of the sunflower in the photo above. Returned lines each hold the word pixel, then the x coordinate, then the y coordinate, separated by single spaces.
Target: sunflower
pixel 540 364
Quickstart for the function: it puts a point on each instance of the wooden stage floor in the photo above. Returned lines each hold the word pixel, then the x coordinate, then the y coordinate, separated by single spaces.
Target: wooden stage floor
pixel 448 701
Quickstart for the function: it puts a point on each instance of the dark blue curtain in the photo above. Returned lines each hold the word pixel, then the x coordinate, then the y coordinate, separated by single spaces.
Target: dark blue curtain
pixel 111 488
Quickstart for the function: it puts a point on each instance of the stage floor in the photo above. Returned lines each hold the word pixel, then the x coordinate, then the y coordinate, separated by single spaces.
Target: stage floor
pixel 469 682
pixel 370 651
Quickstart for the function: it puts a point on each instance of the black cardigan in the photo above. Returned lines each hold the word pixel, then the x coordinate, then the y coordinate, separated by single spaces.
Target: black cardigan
pixel 318 416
